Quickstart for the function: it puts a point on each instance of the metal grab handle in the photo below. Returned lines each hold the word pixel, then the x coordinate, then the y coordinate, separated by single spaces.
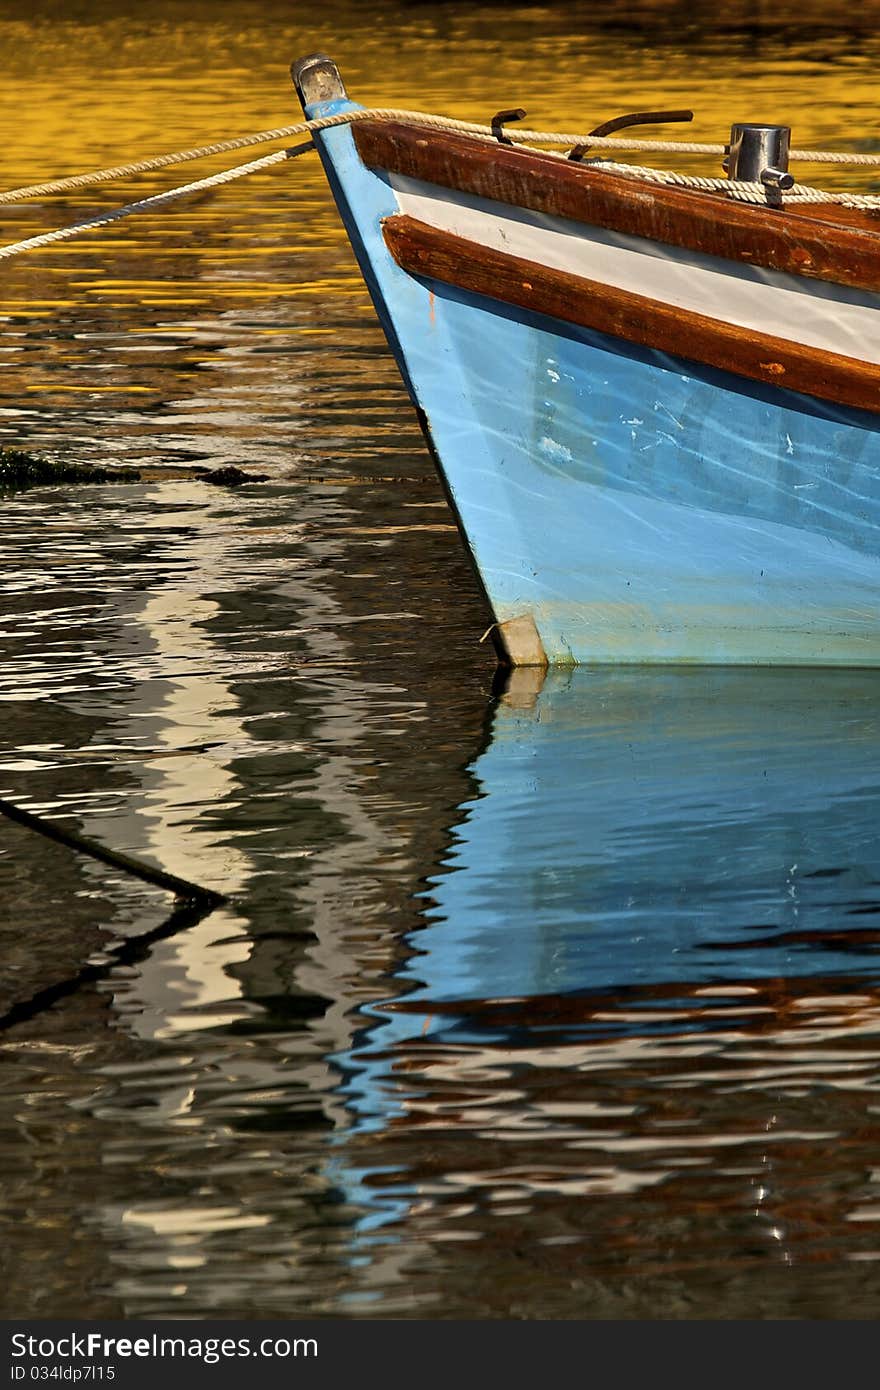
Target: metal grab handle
pixel 500 119
pixel 634 118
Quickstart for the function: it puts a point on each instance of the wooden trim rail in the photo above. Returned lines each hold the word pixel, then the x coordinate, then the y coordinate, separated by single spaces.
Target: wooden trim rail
pixel 436 255
pixel 816 245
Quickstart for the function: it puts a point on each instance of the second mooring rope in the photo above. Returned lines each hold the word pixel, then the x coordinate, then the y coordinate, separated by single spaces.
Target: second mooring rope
pixel 156 200
pixel 745 192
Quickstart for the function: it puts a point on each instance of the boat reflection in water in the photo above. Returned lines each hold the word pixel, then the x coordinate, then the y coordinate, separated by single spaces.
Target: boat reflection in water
pixel 649 957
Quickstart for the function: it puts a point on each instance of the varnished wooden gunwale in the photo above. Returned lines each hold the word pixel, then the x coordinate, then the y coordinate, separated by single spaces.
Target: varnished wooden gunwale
pixel 424 251
pixel 813 245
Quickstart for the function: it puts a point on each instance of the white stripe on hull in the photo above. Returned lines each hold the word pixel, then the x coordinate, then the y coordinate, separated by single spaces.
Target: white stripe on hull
pixel 815 313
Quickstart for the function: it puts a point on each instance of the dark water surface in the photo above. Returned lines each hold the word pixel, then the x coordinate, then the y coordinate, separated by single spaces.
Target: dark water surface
pixel 552 1001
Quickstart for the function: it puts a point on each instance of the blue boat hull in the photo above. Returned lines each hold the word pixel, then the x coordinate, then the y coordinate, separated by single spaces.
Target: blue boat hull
pixel 625 505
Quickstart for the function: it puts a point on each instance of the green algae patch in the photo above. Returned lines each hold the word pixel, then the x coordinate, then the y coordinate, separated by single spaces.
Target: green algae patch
pixel 230 476
pixel 19 470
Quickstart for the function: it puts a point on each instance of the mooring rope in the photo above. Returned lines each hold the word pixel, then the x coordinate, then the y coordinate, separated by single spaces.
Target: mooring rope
pixel 431 122
pixel 743 191
pixel 519 136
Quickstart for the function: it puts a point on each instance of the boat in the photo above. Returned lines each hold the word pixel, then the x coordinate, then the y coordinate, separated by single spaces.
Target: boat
pixel 655 409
